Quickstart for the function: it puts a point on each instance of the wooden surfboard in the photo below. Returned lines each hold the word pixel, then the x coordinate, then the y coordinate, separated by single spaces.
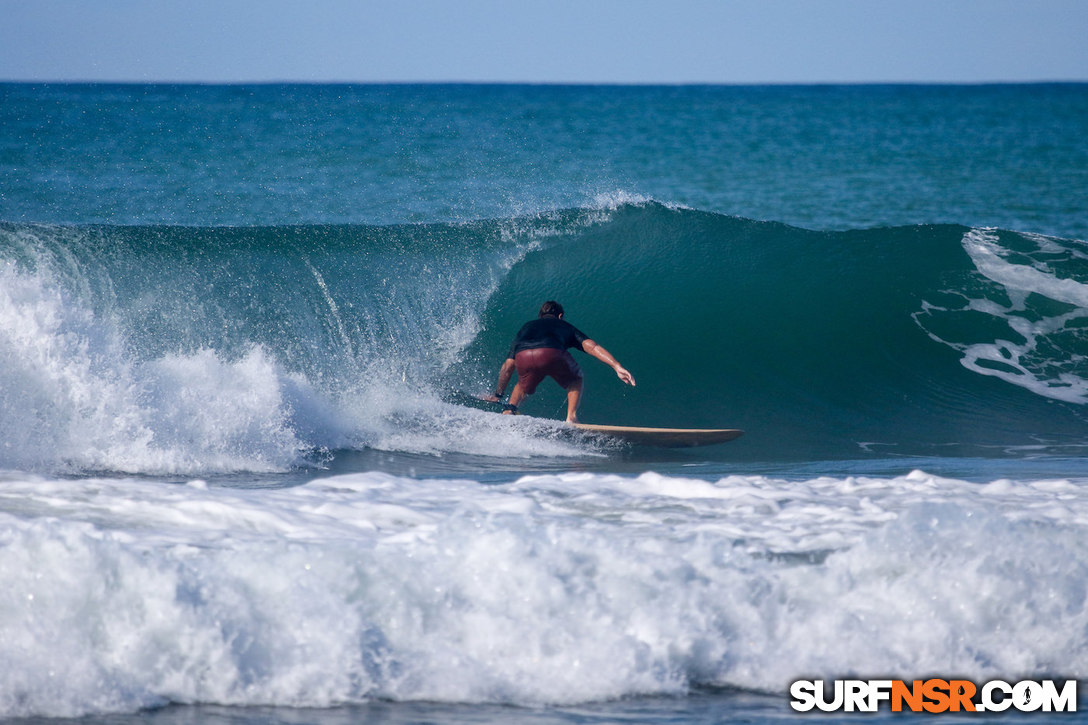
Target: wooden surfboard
pixel 660 437
pixel 664 437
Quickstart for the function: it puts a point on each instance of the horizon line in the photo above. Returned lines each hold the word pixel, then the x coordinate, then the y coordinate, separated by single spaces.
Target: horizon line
pixel 84 81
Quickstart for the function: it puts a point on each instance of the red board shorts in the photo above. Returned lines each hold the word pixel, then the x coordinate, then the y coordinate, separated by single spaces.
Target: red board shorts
pixel 541 362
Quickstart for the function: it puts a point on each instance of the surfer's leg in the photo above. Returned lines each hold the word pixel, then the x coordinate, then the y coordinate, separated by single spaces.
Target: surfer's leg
pixel 574 399
pixel 516 396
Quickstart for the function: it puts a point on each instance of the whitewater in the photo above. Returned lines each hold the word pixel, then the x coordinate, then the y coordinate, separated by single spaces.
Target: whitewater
pixel 243 477
pixel 563 588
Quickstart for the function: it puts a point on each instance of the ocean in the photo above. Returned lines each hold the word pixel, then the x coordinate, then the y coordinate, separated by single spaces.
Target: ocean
pixel 243 476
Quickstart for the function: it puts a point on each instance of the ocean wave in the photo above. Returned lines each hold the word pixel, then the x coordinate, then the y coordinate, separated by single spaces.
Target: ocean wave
pixel 188 350
pixel 820 344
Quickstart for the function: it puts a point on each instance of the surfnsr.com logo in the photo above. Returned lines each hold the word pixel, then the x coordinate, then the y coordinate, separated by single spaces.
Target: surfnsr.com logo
pixel 934 695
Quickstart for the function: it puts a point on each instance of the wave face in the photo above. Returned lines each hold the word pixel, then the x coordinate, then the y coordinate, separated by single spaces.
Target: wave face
pixel 181 349
pixel 905 340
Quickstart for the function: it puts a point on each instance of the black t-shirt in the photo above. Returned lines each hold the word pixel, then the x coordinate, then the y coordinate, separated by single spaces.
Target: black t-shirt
pixel 547 332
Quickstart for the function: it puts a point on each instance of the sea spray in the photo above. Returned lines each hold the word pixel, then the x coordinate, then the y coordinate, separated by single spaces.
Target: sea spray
pixel 175 350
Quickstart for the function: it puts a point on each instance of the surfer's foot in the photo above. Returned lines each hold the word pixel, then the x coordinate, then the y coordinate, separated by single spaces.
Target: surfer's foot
pixel 572 421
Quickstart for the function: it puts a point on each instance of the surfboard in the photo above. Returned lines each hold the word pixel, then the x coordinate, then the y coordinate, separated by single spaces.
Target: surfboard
pixel 663 437
pixel 658 437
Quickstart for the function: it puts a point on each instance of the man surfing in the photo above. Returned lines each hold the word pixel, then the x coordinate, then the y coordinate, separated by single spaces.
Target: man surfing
pixel 539 350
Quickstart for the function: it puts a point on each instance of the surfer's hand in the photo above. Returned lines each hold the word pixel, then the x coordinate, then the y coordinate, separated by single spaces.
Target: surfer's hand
pixel 625 376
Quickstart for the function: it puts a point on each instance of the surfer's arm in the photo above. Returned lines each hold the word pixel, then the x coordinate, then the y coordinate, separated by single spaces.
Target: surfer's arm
pixel 592 348
pixel 505 373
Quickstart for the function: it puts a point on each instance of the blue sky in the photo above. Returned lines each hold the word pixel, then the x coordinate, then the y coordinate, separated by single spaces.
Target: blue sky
pixel 559 41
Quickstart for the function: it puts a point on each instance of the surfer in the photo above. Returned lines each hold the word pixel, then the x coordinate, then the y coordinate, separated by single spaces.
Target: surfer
pixel 539 350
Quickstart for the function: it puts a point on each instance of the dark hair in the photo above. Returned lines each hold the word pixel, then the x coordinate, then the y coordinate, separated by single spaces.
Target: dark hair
pixel 551 307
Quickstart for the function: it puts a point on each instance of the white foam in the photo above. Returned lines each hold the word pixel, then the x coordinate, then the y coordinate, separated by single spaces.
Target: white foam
pixel 74 397
pixel 985 251
pixel 122 594
pixel 1021 362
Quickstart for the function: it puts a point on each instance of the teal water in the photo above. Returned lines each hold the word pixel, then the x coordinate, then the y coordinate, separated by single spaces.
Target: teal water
pixel 238 326
pixel 919 341
pixel 818 157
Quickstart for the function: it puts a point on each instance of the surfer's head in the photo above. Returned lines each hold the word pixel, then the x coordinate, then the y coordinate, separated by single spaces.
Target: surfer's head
pixel 551 308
